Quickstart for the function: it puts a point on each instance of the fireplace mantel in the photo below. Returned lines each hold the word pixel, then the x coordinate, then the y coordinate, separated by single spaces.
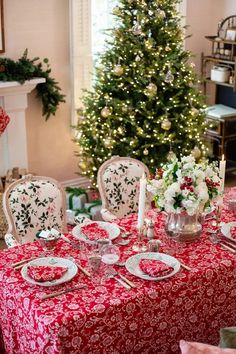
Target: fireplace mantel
pixel 13 142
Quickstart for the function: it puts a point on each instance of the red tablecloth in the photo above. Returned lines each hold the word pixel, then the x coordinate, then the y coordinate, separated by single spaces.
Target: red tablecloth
pixel 109 319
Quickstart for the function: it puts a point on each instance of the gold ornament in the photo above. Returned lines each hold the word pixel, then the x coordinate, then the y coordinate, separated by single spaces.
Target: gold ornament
pixel 196 152
pixel 139 131
pixel 171 155
pixel 118 70
pixel 151 90
pixel 161 13
pixel 116 11
pixel 145 152
pixel 124 109
pixel 108 142
pixel 167 48
pixel 166 124
pixel 106 112
pixel 82 165
pixel 194 111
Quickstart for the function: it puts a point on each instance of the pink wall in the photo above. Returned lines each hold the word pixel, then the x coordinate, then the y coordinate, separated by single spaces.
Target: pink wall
pixel 43 28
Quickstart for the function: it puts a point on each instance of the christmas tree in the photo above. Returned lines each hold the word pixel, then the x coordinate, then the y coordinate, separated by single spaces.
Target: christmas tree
pixel 145 103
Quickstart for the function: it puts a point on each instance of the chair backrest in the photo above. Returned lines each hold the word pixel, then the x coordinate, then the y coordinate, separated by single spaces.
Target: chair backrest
pixel 118 184
pixel 34 203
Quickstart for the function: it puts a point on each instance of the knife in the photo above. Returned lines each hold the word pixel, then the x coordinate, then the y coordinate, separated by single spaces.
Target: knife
pixel 56 293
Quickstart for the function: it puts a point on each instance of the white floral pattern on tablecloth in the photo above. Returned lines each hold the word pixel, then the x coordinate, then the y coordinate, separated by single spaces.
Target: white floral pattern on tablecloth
pixel 107 318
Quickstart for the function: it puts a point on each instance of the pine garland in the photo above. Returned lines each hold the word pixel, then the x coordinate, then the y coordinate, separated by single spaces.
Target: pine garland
pixel 26 69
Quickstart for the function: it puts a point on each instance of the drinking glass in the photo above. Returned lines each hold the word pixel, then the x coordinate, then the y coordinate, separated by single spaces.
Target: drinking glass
pixel 110 255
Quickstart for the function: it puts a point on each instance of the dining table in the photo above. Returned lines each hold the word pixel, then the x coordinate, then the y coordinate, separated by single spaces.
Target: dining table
pixel 103 317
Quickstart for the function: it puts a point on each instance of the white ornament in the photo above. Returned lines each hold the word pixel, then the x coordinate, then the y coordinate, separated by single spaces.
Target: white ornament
pixel 145 152
pixel 105 112
pixel 166 124
pixel 118 70
pixel 137 58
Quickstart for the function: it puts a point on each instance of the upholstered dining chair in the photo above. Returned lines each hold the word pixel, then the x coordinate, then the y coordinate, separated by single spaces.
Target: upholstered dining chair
pixel 118 184
pixel 31 204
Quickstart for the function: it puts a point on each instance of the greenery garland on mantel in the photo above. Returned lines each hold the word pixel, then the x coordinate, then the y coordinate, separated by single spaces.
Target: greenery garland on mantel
pixel 26 69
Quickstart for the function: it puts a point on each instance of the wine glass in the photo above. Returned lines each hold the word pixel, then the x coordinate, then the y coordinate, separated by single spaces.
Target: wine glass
pixel 110 255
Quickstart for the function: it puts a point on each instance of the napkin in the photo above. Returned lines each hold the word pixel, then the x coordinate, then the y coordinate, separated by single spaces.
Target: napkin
pixel 233 232
pixel 155 268
pixel 93 231
pixel 46 273
pixel 52 233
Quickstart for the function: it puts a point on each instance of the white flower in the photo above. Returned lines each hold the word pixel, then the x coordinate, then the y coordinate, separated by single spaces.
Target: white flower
pixel 183 186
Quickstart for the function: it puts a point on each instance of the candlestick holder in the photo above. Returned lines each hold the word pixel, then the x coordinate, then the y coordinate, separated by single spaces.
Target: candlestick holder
pixel 139 245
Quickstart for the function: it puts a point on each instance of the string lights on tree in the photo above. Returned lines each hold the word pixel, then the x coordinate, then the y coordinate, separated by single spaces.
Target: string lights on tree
pixel 145 96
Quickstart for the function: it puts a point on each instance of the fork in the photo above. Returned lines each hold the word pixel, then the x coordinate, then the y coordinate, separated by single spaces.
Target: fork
pixel 111 273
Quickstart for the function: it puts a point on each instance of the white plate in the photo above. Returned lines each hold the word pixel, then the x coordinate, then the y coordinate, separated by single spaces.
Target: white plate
pixel 132 264
pixel 51 261
pixel 112 229
pixel 225 229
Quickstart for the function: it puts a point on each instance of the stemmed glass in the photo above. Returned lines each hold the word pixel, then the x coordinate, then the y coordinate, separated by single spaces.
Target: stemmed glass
pixel 139 245
pixel 110 255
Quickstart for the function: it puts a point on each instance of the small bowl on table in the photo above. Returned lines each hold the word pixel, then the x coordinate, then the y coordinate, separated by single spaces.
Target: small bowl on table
pixel 48 243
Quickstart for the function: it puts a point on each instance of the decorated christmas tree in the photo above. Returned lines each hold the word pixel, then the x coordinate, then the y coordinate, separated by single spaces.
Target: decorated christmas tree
pixel 145 102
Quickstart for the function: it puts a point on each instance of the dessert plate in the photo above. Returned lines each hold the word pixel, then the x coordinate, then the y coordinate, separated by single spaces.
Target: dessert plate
pixel 226 230
pixel 132 264
pixel 112 230
pixel 54 262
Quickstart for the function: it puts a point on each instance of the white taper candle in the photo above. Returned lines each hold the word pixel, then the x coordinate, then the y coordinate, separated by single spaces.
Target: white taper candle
pixel 142 201
pixel 222 168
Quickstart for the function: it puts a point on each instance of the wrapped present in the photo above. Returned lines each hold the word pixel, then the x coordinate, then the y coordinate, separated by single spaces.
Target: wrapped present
pixel 94 209
pixel 75 198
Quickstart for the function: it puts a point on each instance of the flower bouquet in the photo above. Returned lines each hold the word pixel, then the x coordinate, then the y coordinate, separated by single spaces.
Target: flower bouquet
pixel 184 189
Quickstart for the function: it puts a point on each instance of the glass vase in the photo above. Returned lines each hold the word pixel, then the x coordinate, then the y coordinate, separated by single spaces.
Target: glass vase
pixel 188 228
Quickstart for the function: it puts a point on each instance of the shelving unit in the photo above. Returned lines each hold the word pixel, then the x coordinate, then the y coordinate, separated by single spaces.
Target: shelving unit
pixel 222 133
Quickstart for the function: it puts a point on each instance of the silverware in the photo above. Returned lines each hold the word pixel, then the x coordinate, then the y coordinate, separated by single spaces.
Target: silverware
pixel 112 273
pixel 83 270
pixel 186 267
pixel 227 247
pixel 56 293
pixel 15 265
pixel 129 282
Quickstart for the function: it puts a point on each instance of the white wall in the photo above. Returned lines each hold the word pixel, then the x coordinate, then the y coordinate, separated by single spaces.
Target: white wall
pixel 43 28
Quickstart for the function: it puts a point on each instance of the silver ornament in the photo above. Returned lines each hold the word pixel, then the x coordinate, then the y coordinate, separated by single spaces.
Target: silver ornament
pixel 169 78
pixel 105 112
pixel 137 29
pixel 166 124
pixel 118 70
pixel 145 152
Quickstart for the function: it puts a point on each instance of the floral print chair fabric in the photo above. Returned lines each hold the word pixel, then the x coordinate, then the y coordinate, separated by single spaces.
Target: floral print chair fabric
pixel 32 204
pixel 118 183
